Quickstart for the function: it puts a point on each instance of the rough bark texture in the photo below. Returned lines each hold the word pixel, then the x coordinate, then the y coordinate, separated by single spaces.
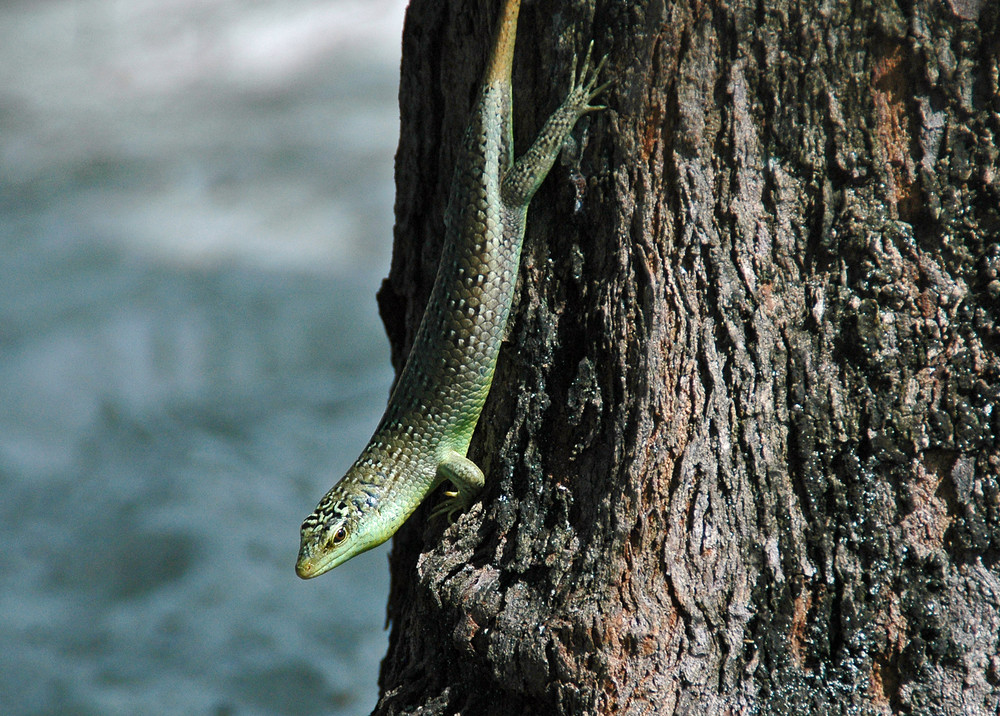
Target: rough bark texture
pixel 743 445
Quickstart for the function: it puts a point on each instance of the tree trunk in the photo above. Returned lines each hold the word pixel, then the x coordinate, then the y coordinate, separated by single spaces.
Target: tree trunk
pixel 743 444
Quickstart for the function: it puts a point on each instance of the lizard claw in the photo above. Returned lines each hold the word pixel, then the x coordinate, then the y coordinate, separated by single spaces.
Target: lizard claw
pixel 448 507
pixel 583 84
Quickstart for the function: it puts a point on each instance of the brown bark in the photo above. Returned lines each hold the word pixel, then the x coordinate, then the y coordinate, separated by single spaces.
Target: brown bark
pixel 743 445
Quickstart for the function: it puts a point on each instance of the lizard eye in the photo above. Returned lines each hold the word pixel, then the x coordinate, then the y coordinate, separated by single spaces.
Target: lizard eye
pixel 339 536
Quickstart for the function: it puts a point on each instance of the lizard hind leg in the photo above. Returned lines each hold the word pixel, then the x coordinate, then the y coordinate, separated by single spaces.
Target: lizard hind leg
pixel 468 480
pixel 522 180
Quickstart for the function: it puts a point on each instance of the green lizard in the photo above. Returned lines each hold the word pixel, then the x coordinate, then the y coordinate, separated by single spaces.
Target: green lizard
pixel 424 435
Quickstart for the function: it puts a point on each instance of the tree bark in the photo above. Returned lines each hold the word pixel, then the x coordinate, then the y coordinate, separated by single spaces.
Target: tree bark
pixel 743 444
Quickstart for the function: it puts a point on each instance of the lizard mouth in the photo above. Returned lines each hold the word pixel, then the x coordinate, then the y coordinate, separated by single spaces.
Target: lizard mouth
pixel 306 567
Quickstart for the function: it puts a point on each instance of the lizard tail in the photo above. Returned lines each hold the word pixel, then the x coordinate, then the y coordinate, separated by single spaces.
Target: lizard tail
pixel 503 49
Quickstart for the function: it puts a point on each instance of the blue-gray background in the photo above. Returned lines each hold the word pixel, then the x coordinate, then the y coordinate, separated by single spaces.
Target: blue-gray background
pixel 195 213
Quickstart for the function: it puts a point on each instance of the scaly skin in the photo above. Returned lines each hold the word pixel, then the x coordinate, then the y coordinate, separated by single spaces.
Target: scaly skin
pixel 424 435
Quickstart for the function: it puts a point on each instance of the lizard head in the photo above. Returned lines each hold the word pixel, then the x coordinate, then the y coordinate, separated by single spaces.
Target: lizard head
pixel 331 535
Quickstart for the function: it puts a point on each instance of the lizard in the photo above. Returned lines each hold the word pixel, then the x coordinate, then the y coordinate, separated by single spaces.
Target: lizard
pixel 424 435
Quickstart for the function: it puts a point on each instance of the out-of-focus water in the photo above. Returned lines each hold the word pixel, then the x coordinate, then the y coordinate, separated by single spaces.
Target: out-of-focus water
pixel 195 213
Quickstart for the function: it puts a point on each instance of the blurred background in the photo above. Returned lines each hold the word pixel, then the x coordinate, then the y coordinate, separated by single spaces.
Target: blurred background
pixel 195 214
